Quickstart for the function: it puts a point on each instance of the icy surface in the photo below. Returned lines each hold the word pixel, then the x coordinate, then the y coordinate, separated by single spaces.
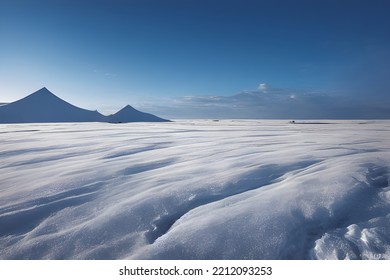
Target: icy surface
pixel 195 190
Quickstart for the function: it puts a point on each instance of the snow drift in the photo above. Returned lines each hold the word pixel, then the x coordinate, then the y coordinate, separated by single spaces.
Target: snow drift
pixel 195 190
pixel 43 106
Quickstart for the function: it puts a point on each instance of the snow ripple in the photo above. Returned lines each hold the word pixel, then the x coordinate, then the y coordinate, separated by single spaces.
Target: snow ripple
pixel 195 190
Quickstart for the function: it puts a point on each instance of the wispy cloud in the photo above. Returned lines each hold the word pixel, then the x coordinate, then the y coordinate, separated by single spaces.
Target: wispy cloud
pixel 110 74
pixel 263 87
pixel 278 103
pixel 105 74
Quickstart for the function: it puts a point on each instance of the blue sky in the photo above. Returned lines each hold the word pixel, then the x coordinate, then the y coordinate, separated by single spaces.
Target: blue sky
pixel 202 59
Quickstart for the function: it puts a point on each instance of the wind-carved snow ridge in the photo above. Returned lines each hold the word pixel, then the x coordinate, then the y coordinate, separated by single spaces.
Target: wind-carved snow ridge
pixel 22 218
pixel 293 230
pixel 264 176
pixel 233 189
pixel 366 234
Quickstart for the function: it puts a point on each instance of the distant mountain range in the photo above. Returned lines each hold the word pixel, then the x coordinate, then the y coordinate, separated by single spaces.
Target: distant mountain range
pixel 43 106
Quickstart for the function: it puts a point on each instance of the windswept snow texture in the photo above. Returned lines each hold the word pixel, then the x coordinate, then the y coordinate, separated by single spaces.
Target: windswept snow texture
pixel 195 190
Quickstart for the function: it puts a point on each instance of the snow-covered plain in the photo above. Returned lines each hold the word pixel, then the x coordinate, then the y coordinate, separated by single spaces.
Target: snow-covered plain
pixel 195 190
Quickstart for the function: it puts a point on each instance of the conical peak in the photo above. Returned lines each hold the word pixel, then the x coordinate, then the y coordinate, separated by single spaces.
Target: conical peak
pixel 128 107
pixel 43 90
pixel 44 106
pixel 43 93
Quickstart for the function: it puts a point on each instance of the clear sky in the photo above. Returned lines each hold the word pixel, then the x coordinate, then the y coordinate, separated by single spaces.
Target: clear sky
pixel 202 58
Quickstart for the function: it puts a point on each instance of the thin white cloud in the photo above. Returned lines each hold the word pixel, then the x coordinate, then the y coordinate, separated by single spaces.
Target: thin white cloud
pixel 263 87
pixel 279 103
pixel 110 74
pixel 105 74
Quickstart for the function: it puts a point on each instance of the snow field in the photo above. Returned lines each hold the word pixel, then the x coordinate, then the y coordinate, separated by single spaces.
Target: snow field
pixel 195 190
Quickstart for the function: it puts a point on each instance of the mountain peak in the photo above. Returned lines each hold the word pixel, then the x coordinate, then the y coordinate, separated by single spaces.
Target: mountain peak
pixel 130 114
pixel 42 92
pixel 44 106
pixel 127 107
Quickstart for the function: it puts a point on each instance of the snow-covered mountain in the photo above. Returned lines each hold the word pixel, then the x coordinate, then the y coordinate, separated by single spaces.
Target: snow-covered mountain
pixel 129 113
pixel 43 106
